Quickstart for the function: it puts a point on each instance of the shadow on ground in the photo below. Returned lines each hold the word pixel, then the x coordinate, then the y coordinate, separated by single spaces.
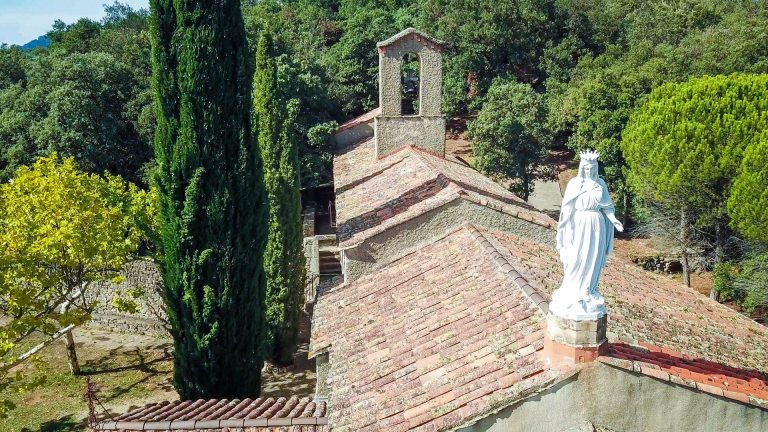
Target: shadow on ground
pixel 64 424
pixel 134 360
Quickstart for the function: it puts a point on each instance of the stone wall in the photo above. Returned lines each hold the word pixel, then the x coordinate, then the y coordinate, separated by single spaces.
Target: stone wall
pixel 430 75
pixel 394 243
pixel 150 319
pixel 619 400
pixel 425 132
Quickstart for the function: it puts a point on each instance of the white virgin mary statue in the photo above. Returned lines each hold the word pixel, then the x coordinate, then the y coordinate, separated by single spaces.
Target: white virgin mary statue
pixel 584 240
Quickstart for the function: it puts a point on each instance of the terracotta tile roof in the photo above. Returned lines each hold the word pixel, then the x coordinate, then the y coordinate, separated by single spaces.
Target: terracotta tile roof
pixel 645 307
pixel 365 118
pixel 667 365
pixel 373 195
pixel 432 340
pixel 256 415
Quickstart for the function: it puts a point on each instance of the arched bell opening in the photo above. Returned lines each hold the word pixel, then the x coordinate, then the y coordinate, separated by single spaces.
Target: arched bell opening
pixel 410 71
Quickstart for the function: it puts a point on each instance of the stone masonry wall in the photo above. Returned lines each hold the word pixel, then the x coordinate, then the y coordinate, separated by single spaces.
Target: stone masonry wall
pixel 383 248
pixel 394 133
pixel 430 76
pixel 150 319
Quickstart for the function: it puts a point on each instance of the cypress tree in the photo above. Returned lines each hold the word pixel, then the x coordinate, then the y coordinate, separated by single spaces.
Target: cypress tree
pixel 284 257
pixel 213 206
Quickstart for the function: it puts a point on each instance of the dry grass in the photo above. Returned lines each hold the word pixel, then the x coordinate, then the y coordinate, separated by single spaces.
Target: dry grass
pixel 129 371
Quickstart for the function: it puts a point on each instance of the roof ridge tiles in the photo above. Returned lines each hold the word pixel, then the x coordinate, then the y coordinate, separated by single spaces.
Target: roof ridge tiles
pixel 504 207
pixel 294 412
pixel 506 267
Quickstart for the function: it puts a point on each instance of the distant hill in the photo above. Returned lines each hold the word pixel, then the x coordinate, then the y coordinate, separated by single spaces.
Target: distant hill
pixel 42 41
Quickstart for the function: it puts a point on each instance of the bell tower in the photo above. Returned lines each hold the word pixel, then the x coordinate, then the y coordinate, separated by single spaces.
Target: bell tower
pixel 410 92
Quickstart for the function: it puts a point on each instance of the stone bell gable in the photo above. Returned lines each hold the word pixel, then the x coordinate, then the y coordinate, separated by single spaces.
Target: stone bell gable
pixel 426 128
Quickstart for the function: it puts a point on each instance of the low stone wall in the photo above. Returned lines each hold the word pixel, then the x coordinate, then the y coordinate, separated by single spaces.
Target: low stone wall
pixel 149 319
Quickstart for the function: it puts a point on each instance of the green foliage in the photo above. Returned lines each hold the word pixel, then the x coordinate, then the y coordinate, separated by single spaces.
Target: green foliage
pixel 321 142
pixel 745 283
pixel 509 137
pixel 61 231
pixel 213 208
pixel 623 49
pixel 85 96
pixel 301 32
pixel 748 204
pixel 353 62
pixel 685 145
pixel 489 39
pixel 274 120
pixel 12 66
pixel 723 275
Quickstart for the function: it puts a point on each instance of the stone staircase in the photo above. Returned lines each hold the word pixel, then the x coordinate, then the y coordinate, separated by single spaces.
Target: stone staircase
pixel 330 262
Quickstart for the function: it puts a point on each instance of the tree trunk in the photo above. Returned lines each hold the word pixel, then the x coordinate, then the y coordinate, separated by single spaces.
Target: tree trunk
pixel 526 184
pixel 69 342
pixel 719 254
pixel 625 213
pixel 684 248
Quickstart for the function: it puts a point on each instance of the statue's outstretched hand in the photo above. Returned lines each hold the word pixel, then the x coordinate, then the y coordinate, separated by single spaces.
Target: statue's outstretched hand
pixel 616 223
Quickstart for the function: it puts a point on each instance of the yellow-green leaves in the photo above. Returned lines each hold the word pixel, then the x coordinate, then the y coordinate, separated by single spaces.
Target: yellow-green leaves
pixel 61 230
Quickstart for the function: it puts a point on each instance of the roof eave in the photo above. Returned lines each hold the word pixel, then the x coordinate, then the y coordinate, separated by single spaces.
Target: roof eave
pixel 406 32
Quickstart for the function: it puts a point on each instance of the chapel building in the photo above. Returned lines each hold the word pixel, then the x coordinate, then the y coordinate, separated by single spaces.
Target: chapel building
pixel 439 321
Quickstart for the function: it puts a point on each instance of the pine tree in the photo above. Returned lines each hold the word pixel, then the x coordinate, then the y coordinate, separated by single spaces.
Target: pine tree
pixel 283 258
pixel 685 145
pixel 748 204
pixel 213 207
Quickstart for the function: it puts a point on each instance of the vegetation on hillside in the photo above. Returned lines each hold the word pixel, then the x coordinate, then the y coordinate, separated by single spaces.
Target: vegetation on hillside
pixel 509 136
pixel 684 148
pixel 85 96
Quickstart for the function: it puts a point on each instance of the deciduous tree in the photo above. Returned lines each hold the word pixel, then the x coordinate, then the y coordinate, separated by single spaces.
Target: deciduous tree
pixel 62 231
pixel 509 138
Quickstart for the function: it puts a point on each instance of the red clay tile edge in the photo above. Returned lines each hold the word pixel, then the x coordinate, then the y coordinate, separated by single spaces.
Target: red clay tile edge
pixel 364 118
pixel 667 365
pixel 213 424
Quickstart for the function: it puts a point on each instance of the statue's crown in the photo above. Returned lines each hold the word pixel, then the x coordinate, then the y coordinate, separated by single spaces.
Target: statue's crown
pixel 589 155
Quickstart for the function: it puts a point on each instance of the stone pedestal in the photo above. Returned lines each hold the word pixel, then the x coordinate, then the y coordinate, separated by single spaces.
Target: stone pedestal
pixel 571 341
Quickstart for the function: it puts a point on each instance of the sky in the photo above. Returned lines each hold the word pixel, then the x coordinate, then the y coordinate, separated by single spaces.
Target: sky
pixel 24 20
